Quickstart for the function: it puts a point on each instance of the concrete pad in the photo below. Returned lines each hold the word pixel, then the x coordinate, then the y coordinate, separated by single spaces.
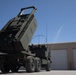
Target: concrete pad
pixel 43 72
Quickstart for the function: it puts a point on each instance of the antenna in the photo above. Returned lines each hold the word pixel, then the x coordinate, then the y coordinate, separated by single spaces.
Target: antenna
pixel 38 38
pixel 46 34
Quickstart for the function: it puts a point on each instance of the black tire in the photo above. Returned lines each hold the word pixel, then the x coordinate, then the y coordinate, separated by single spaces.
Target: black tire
pixel 37 64
pixel 5 68
pixel 48 66
pixel 30 64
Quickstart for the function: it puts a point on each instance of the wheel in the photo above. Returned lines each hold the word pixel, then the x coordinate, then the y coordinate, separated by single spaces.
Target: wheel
pixel 15 68
pixel 30 64
pixel 48 66
pixel 5 68
pixel 37 64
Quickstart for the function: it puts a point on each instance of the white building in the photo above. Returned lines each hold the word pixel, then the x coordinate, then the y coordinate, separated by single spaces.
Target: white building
pixel 63 56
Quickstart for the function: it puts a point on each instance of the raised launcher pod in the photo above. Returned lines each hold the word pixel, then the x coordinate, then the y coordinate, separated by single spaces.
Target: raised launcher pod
pixel 17 33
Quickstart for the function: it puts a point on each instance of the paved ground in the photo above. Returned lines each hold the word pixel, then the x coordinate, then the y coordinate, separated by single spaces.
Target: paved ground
pixel 52 72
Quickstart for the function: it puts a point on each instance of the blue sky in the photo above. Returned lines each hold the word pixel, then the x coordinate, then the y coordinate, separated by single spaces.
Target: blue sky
pixel 58 15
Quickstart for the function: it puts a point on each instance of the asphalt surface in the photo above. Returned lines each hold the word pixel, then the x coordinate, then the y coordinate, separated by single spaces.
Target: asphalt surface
pixel 43 72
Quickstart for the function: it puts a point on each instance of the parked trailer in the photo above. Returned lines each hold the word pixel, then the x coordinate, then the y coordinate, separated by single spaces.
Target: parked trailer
pixel 15 51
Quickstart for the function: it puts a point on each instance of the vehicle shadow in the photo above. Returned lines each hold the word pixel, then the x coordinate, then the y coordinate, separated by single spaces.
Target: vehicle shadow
pixel 20 71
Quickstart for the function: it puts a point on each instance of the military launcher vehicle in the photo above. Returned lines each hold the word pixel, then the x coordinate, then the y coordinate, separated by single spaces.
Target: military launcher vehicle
pixel 15 50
